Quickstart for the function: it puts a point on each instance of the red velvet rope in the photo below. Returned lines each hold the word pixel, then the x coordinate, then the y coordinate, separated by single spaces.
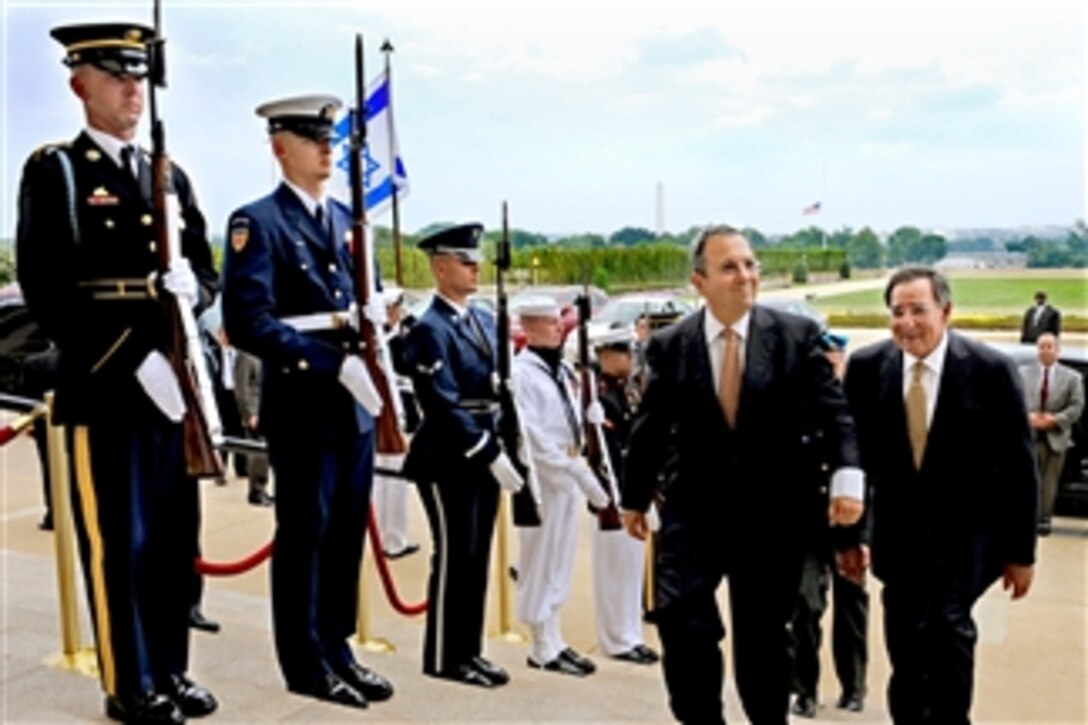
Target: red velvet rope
pixel 230 568
pixel 390 587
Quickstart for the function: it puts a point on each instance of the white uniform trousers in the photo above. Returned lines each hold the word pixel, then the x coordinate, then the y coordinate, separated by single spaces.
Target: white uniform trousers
pixel 390 500
pixel 546 566
pixel 618 575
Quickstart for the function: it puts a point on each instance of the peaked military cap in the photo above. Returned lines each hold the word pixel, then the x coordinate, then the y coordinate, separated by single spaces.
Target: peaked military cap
pixel 619 339
pixel 462 240
pixel 117 48
pixel 307 116
pixel 537 306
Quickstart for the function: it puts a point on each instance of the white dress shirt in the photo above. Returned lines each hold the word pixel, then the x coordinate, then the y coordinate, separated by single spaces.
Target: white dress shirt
pixel 931 378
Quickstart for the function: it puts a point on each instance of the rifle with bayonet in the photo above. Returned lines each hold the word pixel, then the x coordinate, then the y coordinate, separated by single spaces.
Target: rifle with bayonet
pixel 525 502
pixel 389 438
pixel 201 424
pixel 596 449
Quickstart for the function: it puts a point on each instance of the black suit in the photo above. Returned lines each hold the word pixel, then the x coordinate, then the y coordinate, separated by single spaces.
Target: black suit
pixel 723 491
pixel 942 535
pixel 1036 323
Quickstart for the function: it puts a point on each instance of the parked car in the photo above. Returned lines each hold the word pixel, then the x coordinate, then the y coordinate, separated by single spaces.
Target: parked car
pixel 796 306
pixel 1073 484
pixel 624 310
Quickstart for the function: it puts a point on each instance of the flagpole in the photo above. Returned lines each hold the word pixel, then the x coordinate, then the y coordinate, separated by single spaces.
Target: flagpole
pixel 387 50
pixel 823 199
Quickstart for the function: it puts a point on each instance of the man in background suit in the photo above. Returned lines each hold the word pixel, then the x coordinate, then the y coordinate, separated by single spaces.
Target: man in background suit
pixel 1040 318
pixel 730 394
pixel 1054 394
pixel 947 454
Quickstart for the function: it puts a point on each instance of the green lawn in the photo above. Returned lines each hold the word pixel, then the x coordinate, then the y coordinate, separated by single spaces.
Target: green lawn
pixel 973 294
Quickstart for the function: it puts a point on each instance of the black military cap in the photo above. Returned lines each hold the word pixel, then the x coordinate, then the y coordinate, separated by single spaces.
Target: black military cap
pixel 307 116
pixel 462 241
pixel 117 48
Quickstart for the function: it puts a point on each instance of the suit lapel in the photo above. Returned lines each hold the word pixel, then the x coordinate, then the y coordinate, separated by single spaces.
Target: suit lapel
pixel 890 399
pixel 1032 381
pixel 950 397
pixel 758 358
pixel 109 178
pixel 461 327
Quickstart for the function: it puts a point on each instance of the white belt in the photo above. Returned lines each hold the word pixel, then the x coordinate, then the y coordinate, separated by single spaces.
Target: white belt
pixel 321 321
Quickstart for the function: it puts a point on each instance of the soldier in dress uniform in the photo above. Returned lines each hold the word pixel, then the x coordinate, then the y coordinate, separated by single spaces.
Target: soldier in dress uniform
pixel 619 560
pixel 289 298
pixel 549 403
pixel 88 268
pixel 456 457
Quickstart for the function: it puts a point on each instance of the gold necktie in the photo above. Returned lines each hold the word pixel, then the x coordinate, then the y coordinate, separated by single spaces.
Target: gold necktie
pixel 916 413
pixel 729 384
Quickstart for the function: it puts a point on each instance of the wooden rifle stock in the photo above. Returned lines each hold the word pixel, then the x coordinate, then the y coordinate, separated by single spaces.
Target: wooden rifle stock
pixel 390 440
pixel 608 518
pixel 524 509
pixel 201 458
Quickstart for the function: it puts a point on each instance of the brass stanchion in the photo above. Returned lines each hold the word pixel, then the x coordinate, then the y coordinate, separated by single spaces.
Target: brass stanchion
pixel 362 623
pixel 502 563
pixel 648 584
pixel 72 656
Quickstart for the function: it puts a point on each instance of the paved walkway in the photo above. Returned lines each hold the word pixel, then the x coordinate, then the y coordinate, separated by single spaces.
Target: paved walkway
pixel 1032 654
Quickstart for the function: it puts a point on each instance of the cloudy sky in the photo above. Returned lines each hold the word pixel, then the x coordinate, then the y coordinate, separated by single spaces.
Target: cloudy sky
pixel 941 114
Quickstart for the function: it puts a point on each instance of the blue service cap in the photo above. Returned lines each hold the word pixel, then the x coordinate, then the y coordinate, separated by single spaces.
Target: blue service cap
pixel 116 48
pixel 306 116
pixel 462 241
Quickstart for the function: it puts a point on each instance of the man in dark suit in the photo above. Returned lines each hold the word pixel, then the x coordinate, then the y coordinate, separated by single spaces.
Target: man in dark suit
pixel 456 457
pixel 947 454
pixel 88 267
pixel 1039 318
pixel 289 298
pixel 731 393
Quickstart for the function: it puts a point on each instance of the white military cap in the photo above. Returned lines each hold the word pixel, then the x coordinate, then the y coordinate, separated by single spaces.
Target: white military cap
pixel 392 295
pixel 537 306
pixel 307 116
pixel 618 339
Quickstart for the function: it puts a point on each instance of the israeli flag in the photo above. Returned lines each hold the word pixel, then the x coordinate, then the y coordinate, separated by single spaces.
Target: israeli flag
pixel 383 169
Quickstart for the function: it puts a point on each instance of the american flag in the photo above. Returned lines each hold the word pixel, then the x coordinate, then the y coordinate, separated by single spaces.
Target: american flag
pixel 811 209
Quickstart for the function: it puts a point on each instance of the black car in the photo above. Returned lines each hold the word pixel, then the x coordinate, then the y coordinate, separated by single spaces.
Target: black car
pixel 1073 484
pixel 20 336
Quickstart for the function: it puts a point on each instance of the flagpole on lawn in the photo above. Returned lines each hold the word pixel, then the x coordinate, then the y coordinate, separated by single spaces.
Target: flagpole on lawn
pixel 823 198
pixel 387 50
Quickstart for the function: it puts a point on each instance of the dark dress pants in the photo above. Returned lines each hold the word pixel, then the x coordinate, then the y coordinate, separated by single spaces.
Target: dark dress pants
pixel 324 471
pixel 135 512
pixel 931 638
pixel 461 512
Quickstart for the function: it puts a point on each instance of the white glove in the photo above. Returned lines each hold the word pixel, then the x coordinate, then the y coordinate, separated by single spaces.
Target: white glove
pixel 375 311
pixel 653 518
pixel 591 487
pixel 594 413
pixel 161 385
pixel 180 281
pixel 505 473
pixel 354 376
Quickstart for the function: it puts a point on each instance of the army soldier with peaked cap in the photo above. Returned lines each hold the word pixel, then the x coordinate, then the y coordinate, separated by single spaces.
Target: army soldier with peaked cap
pixel 289 298
pixel 88 268
pixel 456 458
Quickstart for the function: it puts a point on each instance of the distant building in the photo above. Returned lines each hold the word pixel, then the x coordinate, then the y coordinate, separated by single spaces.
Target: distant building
pixel 983 260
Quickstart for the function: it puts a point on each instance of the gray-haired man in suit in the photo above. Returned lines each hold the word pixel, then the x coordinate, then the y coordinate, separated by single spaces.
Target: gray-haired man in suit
pixel 1054 394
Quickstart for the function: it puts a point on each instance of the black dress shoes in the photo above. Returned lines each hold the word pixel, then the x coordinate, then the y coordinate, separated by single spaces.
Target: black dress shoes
pixel 147 707
pixel 259 497
pixel 466 674
pixel 560 665
pixel 639 655
pixel 197 620
pixel 332 688
pixel 408 550
pixel 581 662
pixel 852 702
pixel 490 670
pixel 370 684
pixel 192 699
pixel 804 706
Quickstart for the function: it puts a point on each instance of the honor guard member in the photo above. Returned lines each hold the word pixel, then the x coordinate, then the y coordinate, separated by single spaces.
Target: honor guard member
pixel 289 299
pixel 619 560
pixel 550 407
pixel 88 268
pixel 456 457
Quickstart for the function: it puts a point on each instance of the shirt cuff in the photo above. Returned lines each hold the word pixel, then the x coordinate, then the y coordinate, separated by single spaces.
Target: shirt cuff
pixel 848 482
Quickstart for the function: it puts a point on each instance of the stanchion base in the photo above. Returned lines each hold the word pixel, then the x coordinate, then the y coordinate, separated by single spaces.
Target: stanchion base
pixel 377 645
pixel 84 662
pixel 510 635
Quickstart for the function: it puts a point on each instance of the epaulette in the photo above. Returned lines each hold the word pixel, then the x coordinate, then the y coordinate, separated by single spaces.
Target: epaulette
pixel 48 148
